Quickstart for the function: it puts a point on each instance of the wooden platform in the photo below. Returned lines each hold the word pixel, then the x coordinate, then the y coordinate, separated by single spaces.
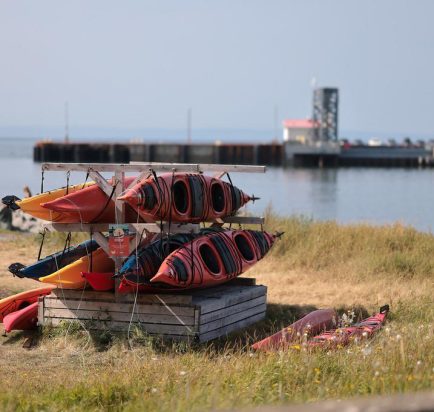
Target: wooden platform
pixel 200 315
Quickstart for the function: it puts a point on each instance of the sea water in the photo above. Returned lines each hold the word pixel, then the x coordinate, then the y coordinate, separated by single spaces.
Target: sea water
pixel 347 195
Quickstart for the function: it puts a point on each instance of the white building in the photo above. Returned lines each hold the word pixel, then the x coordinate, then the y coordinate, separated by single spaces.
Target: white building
pixel 301 131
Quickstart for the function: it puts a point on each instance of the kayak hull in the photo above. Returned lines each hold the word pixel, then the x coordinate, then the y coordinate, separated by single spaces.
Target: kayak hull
pixel 88 205
pixel 313 323
pixel 32 205
pixel 102 282
pixel 20 300
pixel 23 319
pixel 52 263
pixel 344 336
pixel 184 197
pixel 69 277
pixel 214 258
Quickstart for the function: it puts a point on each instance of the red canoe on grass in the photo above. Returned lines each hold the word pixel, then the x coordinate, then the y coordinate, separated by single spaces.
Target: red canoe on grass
pixel 312 323
pixel 88 205
pixel 100 281
pixel 343 336
pixel 185 197
pixel 23 319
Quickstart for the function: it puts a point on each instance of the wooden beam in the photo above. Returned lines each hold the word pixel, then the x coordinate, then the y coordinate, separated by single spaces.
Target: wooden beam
pixel 102 242
pixel 158 167
pixel 244 220
pixel 140 177
pixel 101 182
pixel 104 227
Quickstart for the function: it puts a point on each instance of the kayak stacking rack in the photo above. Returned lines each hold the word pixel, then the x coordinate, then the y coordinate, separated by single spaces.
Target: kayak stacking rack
pixel 200 314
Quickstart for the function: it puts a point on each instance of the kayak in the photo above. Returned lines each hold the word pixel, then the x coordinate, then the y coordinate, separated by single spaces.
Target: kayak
pixel 100 281
pixel 184 197
pixel 32 205
pixel 23 319
pixel 214 258
pixel 313 323
pixel 21 300
pixel 343 336
pixel 88 205
pixel 54 262
pixel 69 277
pixel 141 266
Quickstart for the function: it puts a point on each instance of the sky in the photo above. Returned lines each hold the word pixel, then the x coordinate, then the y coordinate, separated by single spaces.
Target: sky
pixel 130 67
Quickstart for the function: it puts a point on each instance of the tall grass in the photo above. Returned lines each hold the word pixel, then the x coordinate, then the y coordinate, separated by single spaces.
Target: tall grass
pixel 314 264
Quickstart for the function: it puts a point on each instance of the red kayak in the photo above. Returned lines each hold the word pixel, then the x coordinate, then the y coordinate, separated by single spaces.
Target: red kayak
pixel 213 258
pixel 343 336
pixel 100 281
pixel 21 300
pixel 185 197
pixel 88 205
pixel 312 323
pixel 23 319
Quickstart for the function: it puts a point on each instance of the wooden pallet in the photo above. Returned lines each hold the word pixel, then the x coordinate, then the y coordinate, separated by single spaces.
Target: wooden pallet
pixel 199 315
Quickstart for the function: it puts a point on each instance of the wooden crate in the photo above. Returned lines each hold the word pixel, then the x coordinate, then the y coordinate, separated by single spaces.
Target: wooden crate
pixel 200 315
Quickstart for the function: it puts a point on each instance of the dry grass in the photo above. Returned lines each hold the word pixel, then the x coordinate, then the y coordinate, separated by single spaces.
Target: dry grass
pixel 314 265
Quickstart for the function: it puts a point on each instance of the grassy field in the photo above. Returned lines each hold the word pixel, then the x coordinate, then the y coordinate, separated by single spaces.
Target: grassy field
pixel 314 265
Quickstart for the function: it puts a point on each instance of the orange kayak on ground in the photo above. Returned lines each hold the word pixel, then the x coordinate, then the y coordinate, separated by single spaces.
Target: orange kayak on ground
pixel 88 205
pixel 214 258
pixel 21 300
pixel 185 197
pixel 23 319
pixel 313 323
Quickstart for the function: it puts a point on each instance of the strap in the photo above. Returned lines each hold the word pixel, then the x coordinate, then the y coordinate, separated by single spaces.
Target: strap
pixel 91 254
pixel 42 181
pixel 68 175
pixel 42 244
pixel 106 204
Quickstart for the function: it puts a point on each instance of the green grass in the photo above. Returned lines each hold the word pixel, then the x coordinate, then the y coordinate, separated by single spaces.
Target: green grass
pixel 315 264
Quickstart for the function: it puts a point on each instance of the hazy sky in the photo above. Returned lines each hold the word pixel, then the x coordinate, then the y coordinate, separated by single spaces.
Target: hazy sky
pixel 140 64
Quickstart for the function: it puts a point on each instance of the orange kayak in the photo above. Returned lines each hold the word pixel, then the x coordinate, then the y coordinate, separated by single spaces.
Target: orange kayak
pixel 21 300
pixel 214 258
pixel 88 205
pixel 185 197
pixel 23 319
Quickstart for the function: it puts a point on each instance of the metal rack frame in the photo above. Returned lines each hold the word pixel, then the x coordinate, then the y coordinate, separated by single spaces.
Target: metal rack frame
pixel 149 229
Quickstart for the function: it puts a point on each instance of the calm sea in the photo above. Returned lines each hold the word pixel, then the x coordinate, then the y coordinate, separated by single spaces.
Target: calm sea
pixel 378 196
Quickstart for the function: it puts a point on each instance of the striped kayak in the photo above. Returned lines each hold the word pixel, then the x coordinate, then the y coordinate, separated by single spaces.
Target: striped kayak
pixel 23 319
pixel 21 300
pixel 214 258
pixel 344 336
pixel 313 323
pixel 185 197
pixel 54 262
pixel 32 205
pixel 143 265
pixel 88 205
pixel 69 277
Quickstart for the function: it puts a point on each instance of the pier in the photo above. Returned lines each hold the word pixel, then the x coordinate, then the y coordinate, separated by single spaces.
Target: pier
pixel 320 154
pixel 270 154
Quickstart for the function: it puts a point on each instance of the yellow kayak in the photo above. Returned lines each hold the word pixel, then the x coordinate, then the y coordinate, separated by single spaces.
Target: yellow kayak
pixel 69 277
pixel 32 205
